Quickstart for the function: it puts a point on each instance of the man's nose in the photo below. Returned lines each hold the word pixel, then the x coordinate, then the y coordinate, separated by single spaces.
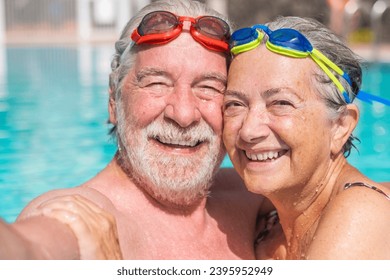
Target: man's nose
pixel 182 108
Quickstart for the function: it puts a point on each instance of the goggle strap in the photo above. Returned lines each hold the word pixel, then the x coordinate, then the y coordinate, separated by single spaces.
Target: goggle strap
pixel 328 62
pixel 286 51
pixel 244 48
pixel 347 78
pixel 324 68
pixel 129 46
pixel 369 98
pixel 346 97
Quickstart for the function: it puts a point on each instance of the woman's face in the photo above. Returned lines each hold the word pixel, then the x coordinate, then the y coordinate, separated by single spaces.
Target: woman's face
pixel 277 130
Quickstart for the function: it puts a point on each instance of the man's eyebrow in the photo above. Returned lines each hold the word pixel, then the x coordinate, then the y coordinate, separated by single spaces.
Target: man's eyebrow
pixel 213 76
pixel 150 72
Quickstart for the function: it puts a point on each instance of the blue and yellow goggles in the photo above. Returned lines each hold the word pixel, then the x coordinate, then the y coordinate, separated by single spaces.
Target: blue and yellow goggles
pixel 292 43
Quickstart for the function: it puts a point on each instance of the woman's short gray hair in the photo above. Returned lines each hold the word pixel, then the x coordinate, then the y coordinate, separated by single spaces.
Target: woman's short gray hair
pixel 124 48
pixel 333 48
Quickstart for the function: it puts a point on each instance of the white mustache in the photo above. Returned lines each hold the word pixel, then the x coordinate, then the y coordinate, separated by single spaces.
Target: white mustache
pixel 169 133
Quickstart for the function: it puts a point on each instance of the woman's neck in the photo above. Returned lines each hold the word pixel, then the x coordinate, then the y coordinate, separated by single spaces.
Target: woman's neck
pixel 300 212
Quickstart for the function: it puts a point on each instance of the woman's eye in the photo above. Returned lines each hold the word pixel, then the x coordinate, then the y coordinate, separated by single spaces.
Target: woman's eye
pixel 233 108
pixel 281 107
pixel 232 104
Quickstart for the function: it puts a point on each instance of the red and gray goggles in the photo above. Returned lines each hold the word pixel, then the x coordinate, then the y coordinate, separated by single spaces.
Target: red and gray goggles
pixel 161 27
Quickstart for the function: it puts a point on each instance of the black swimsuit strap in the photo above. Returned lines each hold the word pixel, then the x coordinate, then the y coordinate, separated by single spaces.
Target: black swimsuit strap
pixel 361 184
pixel 272 219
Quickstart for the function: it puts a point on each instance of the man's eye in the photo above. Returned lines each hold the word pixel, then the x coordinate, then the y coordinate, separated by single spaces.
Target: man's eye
pixel 155 84
pixel 282 103
pixel 207 92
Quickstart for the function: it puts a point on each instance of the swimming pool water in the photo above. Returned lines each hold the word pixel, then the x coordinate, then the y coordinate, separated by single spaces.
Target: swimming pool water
pixel 53 131
pixel 53 113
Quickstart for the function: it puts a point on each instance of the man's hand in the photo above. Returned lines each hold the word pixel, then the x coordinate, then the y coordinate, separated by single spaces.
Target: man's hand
pixel 94 228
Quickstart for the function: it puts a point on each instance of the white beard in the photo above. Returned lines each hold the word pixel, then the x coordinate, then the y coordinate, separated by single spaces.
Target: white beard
pixel 180 180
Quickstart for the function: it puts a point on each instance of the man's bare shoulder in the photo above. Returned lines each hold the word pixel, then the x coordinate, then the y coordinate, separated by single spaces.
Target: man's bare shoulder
pixel 92 190
pixel 386 184
pixel 86 192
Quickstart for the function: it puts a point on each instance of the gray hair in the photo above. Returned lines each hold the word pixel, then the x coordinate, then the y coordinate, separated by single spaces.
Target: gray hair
pixel 334 49
pixel 124 48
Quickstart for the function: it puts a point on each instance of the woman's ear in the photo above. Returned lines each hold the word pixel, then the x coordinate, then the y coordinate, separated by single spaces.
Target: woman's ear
pixel 343 127
pixel 112 107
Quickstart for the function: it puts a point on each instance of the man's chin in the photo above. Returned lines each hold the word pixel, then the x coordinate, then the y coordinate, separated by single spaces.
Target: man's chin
pixel 179 201
pixel 176 193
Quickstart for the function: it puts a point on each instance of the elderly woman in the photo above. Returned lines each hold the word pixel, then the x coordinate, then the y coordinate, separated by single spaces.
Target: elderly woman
pixel 288 123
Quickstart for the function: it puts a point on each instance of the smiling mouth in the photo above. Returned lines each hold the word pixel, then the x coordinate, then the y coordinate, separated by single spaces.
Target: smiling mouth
pixel 178 143
pixel 265 156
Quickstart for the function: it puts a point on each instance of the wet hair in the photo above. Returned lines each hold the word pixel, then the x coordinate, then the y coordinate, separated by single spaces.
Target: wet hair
pixel 333 48
pixel 125 49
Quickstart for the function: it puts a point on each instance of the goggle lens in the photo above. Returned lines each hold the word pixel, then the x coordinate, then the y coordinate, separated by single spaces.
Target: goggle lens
pixel 245 35
pixel 213 27
pixel 157 23
pixel 290 38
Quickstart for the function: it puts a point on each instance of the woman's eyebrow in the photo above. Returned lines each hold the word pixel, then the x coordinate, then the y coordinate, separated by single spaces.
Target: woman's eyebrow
pixel 235 93
pixel 286 90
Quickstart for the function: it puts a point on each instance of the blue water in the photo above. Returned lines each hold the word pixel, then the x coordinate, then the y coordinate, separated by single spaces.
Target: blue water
pixel 53 131
pixel 53 113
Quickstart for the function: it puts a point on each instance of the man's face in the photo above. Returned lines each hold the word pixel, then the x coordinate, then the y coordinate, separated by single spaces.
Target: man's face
pixel 170 121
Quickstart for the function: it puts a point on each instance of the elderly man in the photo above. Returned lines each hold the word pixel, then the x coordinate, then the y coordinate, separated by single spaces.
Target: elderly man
pixel 164 188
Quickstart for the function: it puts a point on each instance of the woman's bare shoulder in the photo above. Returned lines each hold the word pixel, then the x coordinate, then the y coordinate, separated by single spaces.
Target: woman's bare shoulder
pixel 355 225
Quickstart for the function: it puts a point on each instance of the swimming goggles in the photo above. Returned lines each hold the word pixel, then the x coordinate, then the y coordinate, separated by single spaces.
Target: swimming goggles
pixel 292 43
pixel 161 27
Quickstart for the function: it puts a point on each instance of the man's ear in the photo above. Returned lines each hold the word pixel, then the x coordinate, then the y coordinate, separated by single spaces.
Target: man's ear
pixel 112 107
pixel 343 127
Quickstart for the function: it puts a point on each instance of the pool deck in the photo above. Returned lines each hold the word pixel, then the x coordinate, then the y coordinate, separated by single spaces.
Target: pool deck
pixel 370 52
pixel 367 51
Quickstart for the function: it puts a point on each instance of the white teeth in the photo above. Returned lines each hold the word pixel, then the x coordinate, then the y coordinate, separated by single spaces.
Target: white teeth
pixel 187 143
pixel 262 156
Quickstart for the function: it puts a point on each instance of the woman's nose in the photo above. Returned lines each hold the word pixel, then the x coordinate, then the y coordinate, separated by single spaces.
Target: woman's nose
pixel 255 127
